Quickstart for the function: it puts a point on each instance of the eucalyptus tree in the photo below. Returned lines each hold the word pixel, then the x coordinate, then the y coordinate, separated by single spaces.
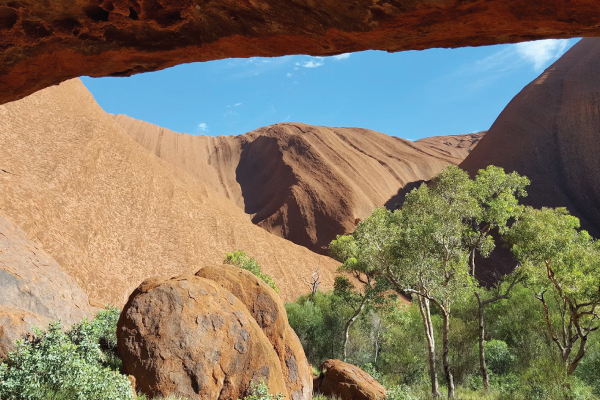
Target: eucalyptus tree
pixel 364 254
pixel 561 263
pixel 495 205
pixel 430 260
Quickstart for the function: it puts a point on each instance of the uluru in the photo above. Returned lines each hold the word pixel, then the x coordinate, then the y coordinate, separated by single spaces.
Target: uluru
pixel 550 132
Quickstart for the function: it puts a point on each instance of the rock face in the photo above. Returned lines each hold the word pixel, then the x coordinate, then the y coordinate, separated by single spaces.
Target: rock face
pixel 188 336
pixel 550 132
pixel 45 43
pixel 16 323
pixel 304 183
pixel 267 309
pixel 113 215
pixel 348 382
pixel 34 289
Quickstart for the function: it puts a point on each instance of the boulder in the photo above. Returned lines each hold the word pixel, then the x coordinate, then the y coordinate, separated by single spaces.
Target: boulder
pixel 190 337
pixel 268 310
pixel 16 323
pixel 34 289
pixel 348 382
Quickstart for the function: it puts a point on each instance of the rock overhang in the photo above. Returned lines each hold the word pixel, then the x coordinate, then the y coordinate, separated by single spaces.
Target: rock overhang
pixel 45 43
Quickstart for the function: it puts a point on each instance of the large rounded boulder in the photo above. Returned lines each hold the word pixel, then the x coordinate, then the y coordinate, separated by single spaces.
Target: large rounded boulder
pixel 268 310
pixel 190 337
pixel 348 382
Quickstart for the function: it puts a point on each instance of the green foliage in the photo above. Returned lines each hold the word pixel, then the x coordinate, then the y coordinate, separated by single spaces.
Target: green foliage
pixel 64 365
pixel 241 260
pixel 498 356
pixel 319 324
pixel 260 391
pixel 562 268
pixel 400 392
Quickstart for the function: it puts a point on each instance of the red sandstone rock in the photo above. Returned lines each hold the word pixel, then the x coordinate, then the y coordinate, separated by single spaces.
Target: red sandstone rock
pixel 267 309
pixel 190 337
pixel 549 132
pixel 16 323
pixel 348 382
pixel 113 215
pixel 46 42
pixel 304 183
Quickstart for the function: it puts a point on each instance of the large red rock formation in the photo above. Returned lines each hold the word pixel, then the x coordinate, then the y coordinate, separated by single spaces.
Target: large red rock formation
pixel 46 42
pixel 188 336
pixel 301 182
pixel 550 132
pixel 111 214
pixel 268 311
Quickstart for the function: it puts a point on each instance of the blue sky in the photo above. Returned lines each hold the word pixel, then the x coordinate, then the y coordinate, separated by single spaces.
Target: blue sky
pixel 411 94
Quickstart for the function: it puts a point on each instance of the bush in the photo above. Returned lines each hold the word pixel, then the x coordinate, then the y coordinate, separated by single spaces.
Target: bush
pixel 498 356
pixel 400 392
pixel 241 260
pixel 260 391
pixel 58 365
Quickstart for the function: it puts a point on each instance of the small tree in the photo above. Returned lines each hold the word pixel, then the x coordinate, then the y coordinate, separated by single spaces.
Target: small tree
pixel 495 203
pixel 561 261
pixel 430 261
pixel 241 260
pixel 362 258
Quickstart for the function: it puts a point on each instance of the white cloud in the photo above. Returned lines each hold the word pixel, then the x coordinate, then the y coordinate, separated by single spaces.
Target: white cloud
pixel 237 104
pixel 541 52
pixel 341 56
pixel 203 127
pixel 316 63
pixel 289 74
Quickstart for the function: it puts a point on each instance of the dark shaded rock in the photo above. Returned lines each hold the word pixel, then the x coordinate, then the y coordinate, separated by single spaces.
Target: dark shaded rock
pixel 34 289
pixel 43 43
pixel 269 312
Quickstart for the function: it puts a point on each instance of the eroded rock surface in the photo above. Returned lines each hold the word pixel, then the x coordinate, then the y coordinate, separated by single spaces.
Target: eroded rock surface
pixel 46 42
pixel 16 323
pixel 267 309
pixel 348 382
pixel 34 289
pixel 189 336
pixel 304 183
pixel 113 215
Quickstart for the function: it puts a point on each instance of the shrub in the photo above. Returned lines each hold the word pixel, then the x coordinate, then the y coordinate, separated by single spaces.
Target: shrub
pixel 498 356
pixel 241 260
pixel 260 391
pixel 400 392
pixel 58 365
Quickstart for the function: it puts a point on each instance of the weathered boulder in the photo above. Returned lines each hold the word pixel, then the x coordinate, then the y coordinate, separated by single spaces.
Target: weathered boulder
pixel 45 42
pixel 16 323
pixel 348 382
pixel 267 309
pixel 34 289
pixel 188 336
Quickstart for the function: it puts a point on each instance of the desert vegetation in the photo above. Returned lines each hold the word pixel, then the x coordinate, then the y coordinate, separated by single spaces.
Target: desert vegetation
pixel 533 335
pixel 407 306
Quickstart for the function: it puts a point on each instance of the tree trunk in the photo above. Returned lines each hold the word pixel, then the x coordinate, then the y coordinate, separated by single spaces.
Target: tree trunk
pixel 573 365
pixel 426 315
pixel 482 366
pixel 445 355
pixel 350 322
